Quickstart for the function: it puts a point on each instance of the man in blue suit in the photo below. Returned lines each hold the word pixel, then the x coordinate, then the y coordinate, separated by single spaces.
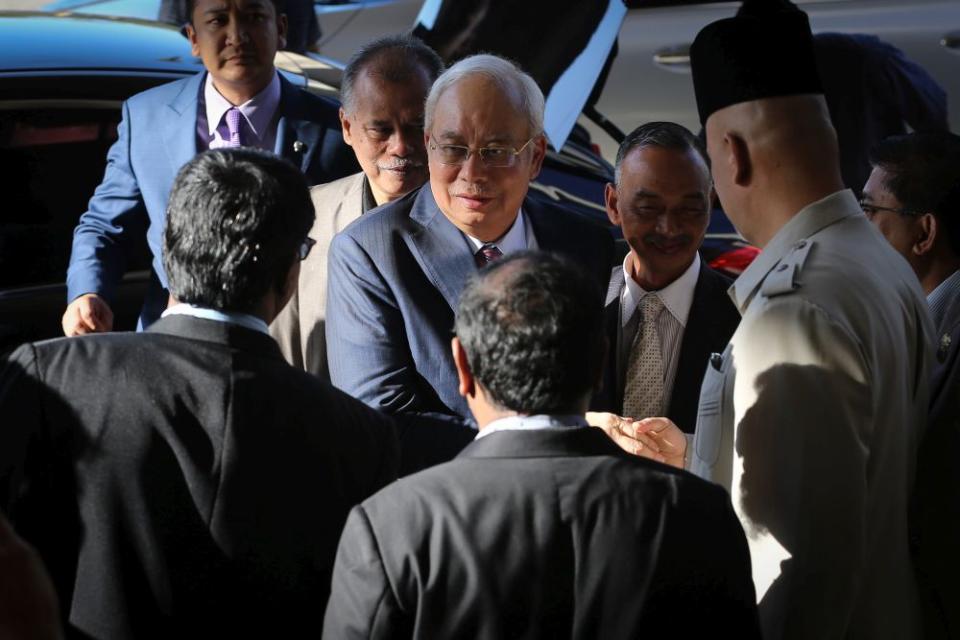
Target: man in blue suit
pixel 241 100
pixel 395 275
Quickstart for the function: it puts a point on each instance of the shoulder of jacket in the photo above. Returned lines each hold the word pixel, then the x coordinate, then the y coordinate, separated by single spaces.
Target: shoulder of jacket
pixel 785 277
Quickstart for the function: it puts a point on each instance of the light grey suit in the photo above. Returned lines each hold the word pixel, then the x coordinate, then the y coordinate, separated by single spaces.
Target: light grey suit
pixel 811 418
pixel 299 329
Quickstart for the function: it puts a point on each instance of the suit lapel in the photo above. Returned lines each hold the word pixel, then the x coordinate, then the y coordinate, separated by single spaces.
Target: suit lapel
pixel 439 247
pixel 298 138
pixel 612 393
pixel 179 132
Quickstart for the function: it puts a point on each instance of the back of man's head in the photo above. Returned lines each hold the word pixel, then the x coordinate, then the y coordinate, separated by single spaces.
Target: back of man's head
pixel 531 325
pixel 921 170
pixel 235 222
pixel 395 58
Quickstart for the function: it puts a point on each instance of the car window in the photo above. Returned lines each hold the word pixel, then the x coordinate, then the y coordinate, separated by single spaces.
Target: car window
pixel 53 157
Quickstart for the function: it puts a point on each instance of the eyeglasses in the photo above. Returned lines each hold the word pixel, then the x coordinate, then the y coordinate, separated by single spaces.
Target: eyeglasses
pixel 871 210
pixel 455 155
pixel 305 247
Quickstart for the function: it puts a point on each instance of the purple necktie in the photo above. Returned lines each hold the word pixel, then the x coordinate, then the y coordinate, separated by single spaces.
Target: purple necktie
pixel 487 254
pixel 233 126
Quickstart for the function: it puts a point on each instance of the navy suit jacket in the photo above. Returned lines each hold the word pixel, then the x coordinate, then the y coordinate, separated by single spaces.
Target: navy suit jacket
pixel 713 319
pixel 156 137
pixel 394 281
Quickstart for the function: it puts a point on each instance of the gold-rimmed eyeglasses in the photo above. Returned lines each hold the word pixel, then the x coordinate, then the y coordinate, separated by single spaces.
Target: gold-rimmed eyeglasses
pixel 455 155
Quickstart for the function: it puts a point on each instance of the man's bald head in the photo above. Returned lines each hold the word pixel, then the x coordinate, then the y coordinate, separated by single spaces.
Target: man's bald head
pixel 772 156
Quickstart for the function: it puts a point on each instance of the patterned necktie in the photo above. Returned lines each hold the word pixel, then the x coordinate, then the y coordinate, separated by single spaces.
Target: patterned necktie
pixel 487 254
pixel 233 126
pixel 643 391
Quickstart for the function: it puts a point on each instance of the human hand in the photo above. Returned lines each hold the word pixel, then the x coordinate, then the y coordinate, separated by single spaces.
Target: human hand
pixel 671 441
pixel 626 432
pixel 88 313
pixel 28 603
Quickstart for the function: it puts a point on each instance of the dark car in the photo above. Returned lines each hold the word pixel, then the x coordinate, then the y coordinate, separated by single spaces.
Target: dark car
pixel 62 81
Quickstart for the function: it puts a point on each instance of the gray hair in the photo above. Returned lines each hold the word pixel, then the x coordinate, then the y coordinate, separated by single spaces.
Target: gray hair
pixel 507 75
pixel 666 135
pixel 397 59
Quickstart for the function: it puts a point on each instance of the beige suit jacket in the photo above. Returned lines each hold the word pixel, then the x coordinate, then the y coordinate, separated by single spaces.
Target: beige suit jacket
pixel 299 329
pixel 811 418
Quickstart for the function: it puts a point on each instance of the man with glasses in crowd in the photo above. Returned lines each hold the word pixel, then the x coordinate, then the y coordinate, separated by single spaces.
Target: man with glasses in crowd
pixel 395 278
pixel 383 90
pixel 913 198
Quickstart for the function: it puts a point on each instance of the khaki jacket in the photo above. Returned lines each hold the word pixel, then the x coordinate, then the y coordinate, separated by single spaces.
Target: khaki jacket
pixel 811 418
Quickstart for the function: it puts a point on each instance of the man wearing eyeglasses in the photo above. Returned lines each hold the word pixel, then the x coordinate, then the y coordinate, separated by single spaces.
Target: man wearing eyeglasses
pixel 913 198
pixel 395 277
pixel 383 90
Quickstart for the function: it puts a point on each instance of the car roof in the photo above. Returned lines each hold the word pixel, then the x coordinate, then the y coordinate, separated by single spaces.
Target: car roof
pixel 33 41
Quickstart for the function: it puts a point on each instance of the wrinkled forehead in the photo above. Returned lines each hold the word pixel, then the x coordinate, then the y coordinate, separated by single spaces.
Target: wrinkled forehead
pixel 477 107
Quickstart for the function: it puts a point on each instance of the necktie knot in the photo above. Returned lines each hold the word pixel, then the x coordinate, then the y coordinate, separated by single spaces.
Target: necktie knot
pixel 650 306
pixel 487 254
pixel 233 126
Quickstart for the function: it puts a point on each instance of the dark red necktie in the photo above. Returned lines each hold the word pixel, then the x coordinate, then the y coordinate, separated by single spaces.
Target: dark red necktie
pixel 487 254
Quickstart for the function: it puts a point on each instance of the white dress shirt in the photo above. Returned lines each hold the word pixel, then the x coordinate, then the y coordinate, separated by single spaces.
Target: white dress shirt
pixel 518 237
pixel 677 298
pixel 529 423
pixel 243 319
pixel 258 125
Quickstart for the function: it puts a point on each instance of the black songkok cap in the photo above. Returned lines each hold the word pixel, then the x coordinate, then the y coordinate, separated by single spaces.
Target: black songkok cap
pixel 765 51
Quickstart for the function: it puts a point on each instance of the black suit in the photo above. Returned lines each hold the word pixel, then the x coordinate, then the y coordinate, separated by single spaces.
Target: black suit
pixel 713 319
pixel 936 509
pixel 185 480
pixel 553 533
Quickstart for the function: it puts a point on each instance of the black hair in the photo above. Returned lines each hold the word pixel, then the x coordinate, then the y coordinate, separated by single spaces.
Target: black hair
pixel 279 5
pixel 235 220
pixel 397 58
pixel 922 168
pixel 666 135
pixel 531 325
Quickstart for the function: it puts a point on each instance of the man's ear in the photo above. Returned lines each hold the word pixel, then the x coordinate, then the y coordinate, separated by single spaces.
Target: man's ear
pixel 345 127
pixel 611 199
pixel 192 37
pixel 738 156
pixel 928 228
pixel 539 145
pixel 467 383
pixel 281 31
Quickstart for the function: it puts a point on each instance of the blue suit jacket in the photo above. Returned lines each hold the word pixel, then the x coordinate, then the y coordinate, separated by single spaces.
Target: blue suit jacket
pixel 394 280
pixel 156 137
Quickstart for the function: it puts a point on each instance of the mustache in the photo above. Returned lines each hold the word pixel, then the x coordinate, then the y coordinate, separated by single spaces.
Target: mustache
pixel 402 163
pixel 659 240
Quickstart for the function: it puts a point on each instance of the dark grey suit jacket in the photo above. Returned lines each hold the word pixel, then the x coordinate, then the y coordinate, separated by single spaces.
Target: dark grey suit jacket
pixel 186 480
pixel 552 533
pixel 935 523
pixel 713 319
pixel 394 280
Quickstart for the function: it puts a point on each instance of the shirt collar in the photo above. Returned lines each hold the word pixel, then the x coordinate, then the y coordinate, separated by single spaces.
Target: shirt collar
pixel 258 111
pixel 808 221
pixel 525 423
pixel 677 296
pixel 940 297
pixel 243 319
pixel 515 239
